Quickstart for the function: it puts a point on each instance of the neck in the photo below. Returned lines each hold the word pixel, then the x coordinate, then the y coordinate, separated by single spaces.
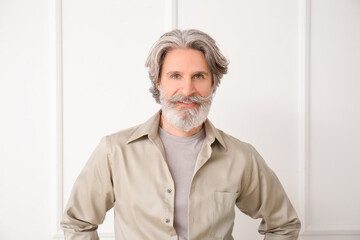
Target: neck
pixel 175 131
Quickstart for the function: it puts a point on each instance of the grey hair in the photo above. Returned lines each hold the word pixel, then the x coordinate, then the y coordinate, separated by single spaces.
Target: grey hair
pixel 193 39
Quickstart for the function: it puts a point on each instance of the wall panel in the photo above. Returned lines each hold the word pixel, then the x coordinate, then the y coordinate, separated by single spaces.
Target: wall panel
pixel 257 100
pixel 103 82
pixel 331 194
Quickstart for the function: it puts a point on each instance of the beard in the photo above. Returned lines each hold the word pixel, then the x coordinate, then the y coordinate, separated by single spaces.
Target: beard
pixel 185 118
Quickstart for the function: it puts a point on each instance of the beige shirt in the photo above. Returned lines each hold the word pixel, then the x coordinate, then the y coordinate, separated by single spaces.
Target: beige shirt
pixel 128 171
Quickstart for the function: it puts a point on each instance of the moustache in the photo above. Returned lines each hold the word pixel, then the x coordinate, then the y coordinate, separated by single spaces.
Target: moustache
pixel 192 99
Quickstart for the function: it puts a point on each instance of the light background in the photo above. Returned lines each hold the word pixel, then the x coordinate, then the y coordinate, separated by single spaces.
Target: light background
pixel 73 71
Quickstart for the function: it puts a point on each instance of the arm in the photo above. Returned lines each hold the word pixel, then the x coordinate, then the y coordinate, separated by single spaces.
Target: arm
pixel 92 196
pixel 263 196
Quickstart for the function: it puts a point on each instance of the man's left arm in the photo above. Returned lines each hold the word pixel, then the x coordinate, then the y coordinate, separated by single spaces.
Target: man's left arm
pixel 262 196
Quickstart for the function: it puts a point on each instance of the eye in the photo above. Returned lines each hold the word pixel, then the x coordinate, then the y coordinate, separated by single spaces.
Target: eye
pixel 175 76
pixel 199 76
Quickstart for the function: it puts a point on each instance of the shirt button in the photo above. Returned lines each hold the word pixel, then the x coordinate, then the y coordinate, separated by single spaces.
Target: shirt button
pixel 169 190
pixel 167 220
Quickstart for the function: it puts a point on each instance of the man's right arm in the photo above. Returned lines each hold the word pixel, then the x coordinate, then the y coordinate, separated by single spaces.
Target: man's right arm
pixel 92 196
pixel 264 197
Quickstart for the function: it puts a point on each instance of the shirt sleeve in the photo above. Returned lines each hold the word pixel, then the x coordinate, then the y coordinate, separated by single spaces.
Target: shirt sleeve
pixel 91 197
pixel 262 196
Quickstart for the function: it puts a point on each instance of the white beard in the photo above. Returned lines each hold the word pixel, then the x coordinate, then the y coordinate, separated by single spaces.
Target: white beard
pixel 185 118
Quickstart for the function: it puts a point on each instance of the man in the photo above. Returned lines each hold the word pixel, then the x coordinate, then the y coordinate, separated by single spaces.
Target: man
pixel 176 176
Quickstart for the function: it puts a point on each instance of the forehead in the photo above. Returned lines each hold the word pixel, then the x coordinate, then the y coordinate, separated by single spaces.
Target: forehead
pixel 185 59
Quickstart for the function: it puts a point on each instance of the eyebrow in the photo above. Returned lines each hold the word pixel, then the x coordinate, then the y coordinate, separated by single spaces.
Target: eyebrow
pixel 172 73
pixel 197 72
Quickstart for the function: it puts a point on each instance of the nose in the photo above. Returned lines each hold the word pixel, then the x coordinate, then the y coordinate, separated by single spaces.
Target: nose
pixel 187 87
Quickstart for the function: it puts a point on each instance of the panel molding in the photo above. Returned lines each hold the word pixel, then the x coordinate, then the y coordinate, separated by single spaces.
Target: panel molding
pixel 57 206
pixel 171 15
pixel 303 108
pixel 56 41
pixel 304 53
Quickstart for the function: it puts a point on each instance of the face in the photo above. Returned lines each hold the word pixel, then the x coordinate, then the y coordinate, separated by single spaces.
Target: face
pixel 185 72
pixel 185 86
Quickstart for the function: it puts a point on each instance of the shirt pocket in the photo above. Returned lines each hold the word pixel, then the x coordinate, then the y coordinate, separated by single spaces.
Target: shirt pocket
pixel 223 214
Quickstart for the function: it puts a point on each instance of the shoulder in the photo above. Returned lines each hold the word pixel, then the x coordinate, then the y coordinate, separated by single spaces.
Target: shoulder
pixel 245 152
pixel 235 144
pixel 137 133
pixel 241 151
pixel 121 137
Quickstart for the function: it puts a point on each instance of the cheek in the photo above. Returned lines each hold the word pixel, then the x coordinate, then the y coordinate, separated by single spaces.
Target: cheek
pixel 169 89
pixel 205 89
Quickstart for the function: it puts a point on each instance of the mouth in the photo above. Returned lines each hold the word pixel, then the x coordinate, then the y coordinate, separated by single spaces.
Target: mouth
pixel 186 104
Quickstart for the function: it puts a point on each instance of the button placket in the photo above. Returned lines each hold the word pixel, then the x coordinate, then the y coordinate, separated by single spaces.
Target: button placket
pixel 169 198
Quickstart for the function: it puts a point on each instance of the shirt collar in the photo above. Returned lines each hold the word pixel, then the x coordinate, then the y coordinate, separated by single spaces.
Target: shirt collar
pixel 150 129
pixel 212 133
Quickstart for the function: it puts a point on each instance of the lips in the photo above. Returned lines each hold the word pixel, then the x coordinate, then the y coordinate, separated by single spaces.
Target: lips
pixel 186 104
pixel 188 101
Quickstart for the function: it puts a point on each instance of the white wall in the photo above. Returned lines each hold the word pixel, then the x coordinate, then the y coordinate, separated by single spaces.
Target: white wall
pixel 73 71
pixel 26 120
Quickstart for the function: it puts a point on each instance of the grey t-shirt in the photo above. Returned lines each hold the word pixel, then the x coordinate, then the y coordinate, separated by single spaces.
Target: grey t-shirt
pixel 181 154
